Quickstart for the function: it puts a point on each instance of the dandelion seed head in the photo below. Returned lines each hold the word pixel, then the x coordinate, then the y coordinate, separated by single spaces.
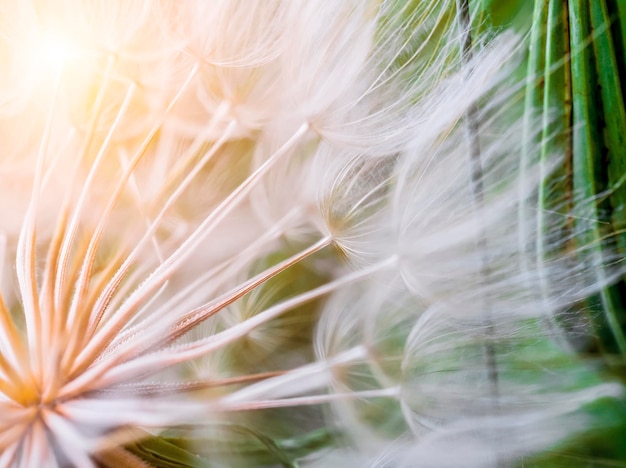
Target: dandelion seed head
pixel 221 208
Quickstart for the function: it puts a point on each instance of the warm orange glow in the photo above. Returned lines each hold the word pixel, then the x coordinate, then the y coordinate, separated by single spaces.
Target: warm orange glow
pixel 56 49
pixel 56 56
pixel 53 48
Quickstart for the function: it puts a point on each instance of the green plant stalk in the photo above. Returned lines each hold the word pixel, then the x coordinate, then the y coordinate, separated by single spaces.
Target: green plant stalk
pixel 172 451
pixel 476 177
pixel 620 7
pixel 556 115
pixel 535 81
pixel 532 105
pixel 614 115
pixel 555 187
pixel 587 161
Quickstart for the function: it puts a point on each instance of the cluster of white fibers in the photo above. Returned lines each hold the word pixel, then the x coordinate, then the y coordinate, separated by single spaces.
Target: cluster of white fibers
pixel 187 181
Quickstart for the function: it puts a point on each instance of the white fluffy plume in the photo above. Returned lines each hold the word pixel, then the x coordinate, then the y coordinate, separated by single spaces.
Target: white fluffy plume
pixel 186 182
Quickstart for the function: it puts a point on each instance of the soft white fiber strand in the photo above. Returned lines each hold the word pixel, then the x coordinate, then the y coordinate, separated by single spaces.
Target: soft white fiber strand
pixel 218 208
